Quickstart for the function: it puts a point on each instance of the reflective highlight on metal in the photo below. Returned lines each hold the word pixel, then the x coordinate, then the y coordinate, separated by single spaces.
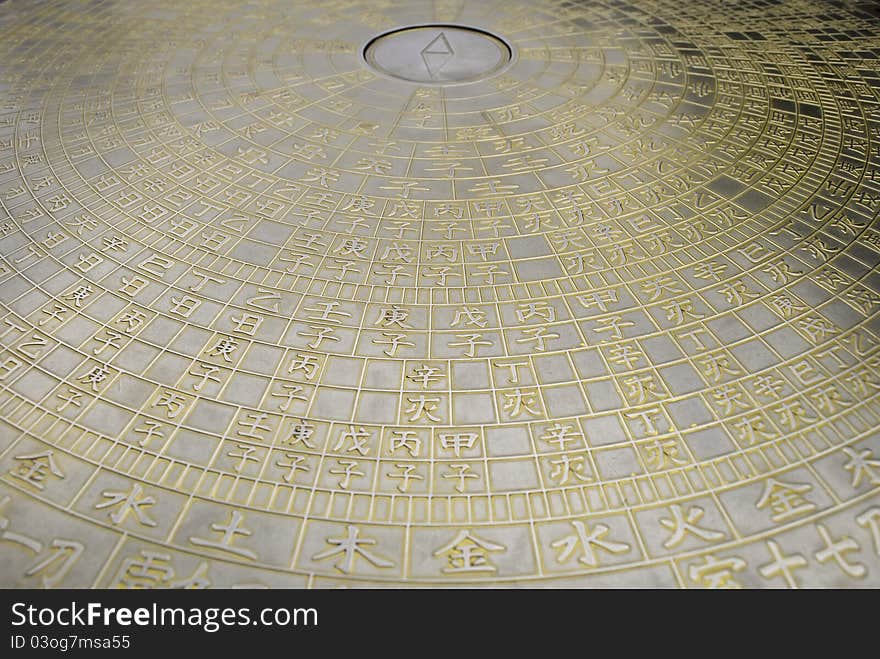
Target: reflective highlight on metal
pixel 301 295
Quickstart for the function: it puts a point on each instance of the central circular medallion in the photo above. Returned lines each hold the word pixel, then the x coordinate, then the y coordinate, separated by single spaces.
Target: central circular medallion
pixel 438 54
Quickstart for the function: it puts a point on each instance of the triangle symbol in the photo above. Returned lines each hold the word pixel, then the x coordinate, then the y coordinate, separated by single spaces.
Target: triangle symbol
pixel 437 54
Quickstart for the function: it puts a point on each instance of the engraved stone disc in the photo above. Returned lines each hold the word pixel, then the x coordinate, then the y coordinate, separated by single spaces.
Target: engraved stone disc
pixel 311 294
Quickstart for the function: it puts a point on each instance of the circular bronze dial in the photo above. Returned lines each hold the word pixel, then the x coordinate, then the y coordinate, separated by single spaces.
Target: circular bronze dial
pixel 430 293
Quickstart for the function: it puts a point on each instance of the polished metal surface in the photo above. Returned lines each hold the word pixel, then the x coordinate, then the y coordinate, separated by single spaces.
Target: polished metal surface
pixel 320 294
